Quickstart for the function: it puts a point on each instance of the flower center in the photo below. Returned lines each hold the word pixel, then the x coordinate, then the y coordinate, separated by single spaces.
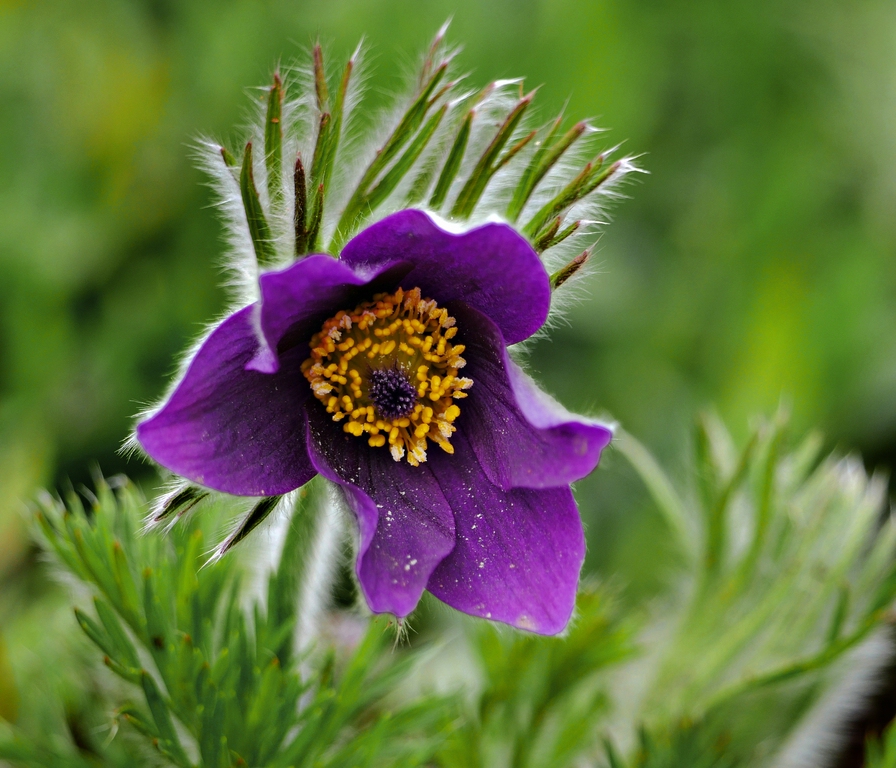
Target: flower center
pixel 389 370
pixel 391 392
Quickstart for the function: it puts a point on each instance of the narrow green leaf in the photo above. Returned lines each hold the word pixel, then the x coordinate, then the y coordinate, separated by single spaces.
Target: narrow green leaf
pixel 660 487
pixel 708 474
pixel 886 592
pixel 806 456
pixel 319 158
pixel 588 179
pixel 168 737
pixel 544 244
pixel 766 500
pixel 228 758
pixel 210 727
pixel 529 178
pixel 542 161
pixel 407 126
pixel 326 146
pixel 452 162
pixel 184 673
pixel 841 612
pixel 597 180
pixel 157 627
pixel 315 219
pixel 398 171
pixel 489 163
pixel 717 530
pixel 515 150
pixel 320 78
pixel 131 674
pixel 74 504
pixel 889 746
pixel 139 721
pixel 563 199
pixel 273 142
pixel 789 671
pixel 564 273
pixel 96 633
pixel 286 584
pixel 256 516
pixel 186 585
pixel 334 134
pixel 229 159
pixel 221 666
pixel 541 240
pixel 319 177
pixel 125 652
pixel 268 689
pixel 300 211
pixel 259 230
pixel 433 100
pixel 127 590
pixel 342 93
pixel 98 569
pixel 179 503
pixel 422 182
pixel 429 61
pixel 201 683
pixel 63 547
pixel 227 624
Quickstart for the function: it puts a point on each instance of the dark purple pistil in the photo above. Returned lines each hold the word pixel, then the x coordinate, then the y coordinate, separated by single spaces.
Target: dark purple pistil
pixel 392 393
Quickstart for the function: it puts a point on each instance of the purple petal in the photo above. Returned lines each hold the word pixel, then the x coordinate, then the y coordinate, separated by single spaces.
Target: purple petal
pixel 232 429
pixel 297 300
pixel 522 437
pixel 492 268
pixel 512 556
pixel 405 523
pixel 518 552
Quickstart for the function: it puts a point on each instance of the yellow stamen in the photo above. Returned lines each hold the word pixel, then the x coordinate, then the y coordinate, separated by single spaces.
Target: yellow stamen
pixel 400 331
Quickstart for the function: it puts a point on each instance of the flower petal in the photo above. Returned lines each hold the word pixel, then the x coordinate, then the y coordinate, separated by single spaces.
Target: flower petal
pixel 522 436
pixel 295 301
pixel 492 268
pixel 518 552
pixel 405 523
pixel 232 429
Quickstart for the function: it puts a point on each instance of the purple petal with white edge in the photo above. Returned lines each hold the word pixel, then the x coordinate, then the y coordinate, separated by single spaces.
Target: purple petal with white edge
pixel 492 268
pixel 522 436
pixel 232 429
pixel 405 523
pixel 518 552
pixel 297 300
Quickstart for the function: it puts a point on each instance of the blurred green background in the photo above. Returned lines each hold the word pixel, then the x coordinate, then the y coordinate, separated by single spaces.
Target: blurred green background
pixel 756 263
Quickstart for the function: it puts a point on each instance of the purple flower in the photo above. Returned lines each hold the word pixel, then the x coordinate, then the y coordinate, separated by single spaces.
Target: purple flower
pixel 386 371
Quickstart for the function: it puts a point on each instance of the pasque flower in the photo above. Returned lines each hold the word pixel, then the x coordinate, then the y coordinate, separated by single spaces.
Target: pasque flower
pixel 386 371
pixel 380 360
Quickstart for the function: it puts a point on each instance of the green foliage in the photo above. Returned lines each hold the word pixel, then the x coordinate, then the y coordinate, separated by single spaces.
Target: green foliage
pixel 785 583
pixel 329 135
pixel 747 265
pixel 541 698
pixel 259 230
pixel 9 696
pixel 688 745
pixel 789 567
pixel 273 142
pixel 211 679
pixel 472 154
pixel 881 753
pixel 366 195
